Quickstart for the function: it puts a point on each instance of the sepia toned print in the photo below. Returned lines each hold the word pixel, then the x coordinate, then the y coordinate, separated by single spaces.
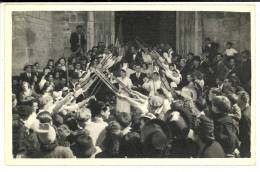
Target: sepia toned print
pixel 93 86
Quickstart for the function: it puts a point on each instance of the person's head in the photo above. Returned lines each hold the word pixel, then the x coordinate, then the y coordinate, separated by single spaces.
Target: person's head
pixel 155 138
pixel 190 56
pixel 79 28
pixel 70 67
pixel 85 147
pixel 146 118
pixel 229 45
pixel 246 55
pixel 243 99
pixel 231 61
pixel 133 49
pixel 83 60
pixel 58 66
pixel 155 76
pixel 45 101
pixel 35 106
pixel 14 101
pixel 37 66
pixel 182 62
pixel 124 119
pixel 28 68
pixel 78 66
pixel 219 81
pixel 155 103
pixel 46 134
pixel 46 70
pixel 25 86
pixel 44 117
pixel 34 69
pixel 84 115
pixel 175 73
pixel 114 128
pixel 138 68
pixel 189 77
pixel 71 121
pixel 221 104
pixel 219 57
pixel 226 82
pixel 105 111
pixel 65 91
pixel 62 61
pixel 49 77
pixel 50 62
pixel 196 61
pixel 233 98
pixel 179 122
pixel 213 92
pixel 205 130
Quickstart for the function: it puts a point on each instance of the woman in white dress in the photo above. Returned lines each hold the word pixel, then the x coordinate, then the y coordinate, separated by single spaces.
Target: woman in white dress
pixel 121 104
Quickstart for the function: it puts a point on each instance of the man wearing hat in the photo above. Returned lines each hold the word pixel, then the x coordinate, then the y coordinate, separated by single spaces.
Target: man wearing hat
pixel 48 143
pixel 155 139
pixel 84 147
pixel 204 137
pixel 182 135
pixel 225 129
pixel 27 75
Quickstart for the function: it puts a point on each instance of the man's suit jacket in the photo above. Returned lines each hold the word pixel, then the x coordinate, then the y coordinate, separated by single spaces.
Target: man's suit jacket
pixel 132 61
pixel 74 41
pixel 24 77
pixel 137 81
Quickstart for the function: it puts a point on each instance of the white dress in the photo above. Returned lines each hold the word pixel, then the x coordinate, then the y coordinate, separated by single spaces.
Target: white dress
pixel 123 105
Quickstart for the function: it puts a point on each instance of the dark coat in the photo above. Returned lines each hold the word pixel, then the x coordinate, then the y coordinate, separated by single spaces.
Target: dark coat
pixel 24 77
pixel 19 135
pixel 137 81
pixel 225 133
pixel 245 132
pixel 74 41
pixel 212 150
pixel 129 58
pixel 212 50
pixel 55 151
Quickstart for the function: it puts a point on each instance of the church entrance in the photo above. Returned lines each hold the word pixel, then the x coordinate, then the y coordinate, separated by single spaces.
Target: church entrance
pixel 152 27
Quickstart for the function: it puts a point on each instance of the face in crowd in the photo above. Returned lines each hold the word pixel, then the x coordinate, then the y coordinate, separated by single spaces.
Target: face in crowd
pixel 25 86
pixel 138 68
pixel 28 69
pixel 106 112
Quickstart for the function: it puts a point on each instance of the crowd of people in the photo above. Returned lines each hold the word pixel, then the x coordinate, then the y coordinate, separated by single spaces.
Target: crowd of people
pixel 149 102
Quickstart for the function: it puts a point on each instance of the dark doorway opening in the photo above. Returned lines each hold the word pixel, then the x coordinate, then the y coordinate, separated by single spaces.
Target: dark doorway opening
pixel 152 27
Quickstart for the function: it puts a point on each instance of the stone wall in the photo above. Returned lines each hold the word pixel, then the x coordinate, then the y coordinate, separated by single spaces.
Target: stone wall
pixel 222 27
pixel 40 36
pixel 31 40
pixel 63 24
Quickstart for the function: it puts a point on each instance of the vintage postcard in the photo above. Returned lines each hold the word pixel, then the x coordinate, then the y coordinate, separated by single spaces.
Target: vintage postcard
pixel 129 84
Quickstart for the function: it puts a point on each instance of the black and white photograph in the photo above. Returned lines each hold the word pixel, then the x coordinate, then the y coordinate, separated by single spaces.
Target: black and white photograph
pixel 131 84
